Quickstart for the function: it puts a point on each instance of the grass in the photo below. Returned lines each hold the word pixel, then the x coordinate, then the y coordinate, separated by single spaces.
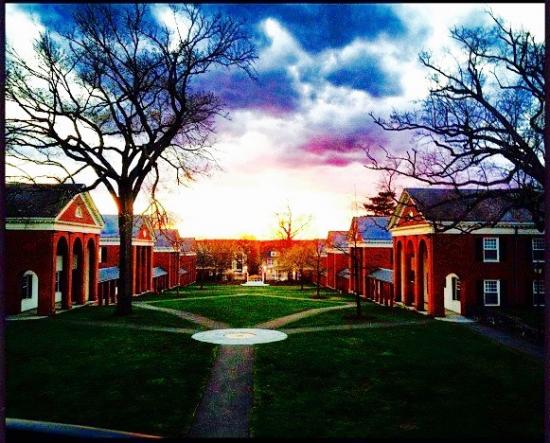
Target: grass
pixel 120 379
pixel 139 316
pixel 435 380
pixel 244 311
pixel 371 312
pixel 210 290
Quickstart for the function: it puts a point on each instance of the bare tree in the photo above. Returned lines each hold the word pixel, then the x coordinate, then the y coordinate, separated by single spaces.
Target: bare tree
pixel 318 253
pixel 481 125
pixel 289 225
pixel 118 95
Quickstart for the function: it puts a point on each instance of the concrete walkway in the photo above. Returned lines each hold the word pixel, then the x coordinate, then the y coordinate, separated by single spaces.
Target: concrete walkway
pixel 290 331
pixel 189 316
pixel 508 340
pixel 224 410
pixel 108 324
pixel 281 321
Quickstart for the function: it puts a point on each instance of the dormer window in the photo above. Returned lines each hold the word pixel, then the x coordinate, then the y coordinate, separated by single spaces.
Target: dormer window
pixel 78 212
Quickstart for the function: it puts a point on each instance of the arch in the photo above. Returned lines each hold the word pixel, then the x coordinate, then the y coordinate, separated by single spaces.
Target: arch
pixel 91 254
pixel 452 293
pixel 29 291
pixel 409 277
pixel 77 290
pixel 422 277
pixel 398 265
pixel 61 272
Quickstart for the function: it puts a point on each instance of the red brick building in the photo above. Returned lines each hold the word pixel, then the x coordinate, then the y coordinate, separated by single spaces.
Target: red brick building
pixel 499 264
pixel 188 262
pixel 166 257
pixel 52 240
pixel 142 243
pixel 370 250
pixel 336 262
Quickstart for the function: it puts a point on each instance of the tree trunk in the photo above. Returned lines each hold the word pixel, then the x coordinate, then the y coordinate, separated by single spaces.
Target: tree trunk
pixel 356 277
pixel 201 279
pixel 126 255
pixel 301 280
pixel 318 284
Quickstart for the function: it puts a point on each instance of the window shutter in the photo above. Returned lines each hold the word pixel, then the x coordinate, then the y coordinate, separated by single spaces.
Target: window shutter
pixel 503 293
pixel 479 249
pixel 480 293
pixel 502 248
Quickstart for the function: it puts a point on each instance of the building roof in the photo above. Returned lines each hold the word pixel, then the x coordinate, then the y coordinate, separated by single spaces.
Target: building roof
pixel 108 274
pixel 166 238
pixel 110 230
pixel 337 239
pixel 448 204
pixel 39 200
pixel 382 274
pixel 372 228
pixel 187 244
pixel 159 272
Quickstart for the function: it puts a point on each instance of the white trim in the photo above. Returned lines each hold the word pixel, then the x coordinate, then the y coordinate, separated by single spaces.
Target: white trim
pixel 32 302
pixel 165 249
pixel 36 224
pixel 419 229
pixel 498 292
pixel 90 206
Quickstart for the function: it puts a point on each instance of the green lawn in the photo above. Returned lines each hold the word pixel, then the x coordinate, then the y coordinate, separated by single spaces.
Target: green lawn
pixel 210 290
pixel 113 378
pixel 139 316
pixel 435 380
pixel 371 312
pixel 245 311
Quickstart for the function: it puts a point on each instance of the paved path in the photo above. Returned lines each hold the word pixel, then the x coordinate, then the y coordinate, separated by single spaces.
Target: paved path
pixel 107 324
pixel 508 340
pixel 194 318
pixel 206 297
pixel 224 409
pixel 290 331
pixel 281 321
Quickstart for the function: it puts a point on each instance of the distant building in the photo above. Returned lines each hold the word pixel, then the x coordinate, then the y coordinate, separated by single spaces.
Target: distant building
pixel 500 264
pixel 370 243
pixel 336 262
pixel 52 240
pixel 188 262
pixel 142 265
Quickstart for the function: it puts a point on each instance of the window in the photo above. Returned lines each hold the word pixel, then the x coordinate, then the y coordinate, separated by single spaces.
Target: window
pixel 455 285
pixel 538 249
pixel 78 212
pixel 490 249
pixel 269 262
pixel 491 292
pixel 58 281
pixel 273 253
pixel 538 292
pixel 26 288
pixel 103 254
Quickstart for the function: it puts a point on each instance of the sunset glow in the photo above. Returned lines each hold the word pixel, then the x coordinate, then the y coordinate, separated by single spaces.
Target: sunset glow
pixel 296 136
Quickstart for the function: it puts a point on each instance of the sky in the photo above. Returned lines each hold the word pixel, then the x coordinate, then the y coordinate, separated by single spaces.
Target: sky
pixel 295 135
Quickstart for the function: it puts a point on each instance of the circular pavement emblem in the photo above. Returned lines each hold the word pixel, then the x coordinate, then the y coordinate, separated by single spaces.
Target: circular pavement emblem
pixel 239 336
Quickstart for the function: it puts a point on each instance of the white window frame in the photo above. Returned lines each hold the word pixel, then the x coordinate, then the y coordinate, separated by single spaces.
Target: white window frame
pixel 78 212
pixel 491 260
pixel 537 292
pixel 498 293
pixel 533 249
